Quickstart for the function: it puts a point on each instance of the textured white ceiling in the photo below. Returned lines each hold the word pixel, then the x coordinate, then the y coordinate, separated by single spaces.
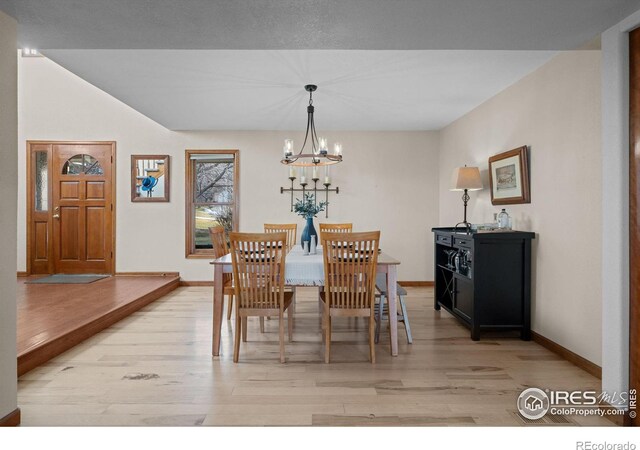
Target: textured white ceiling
pixel 315 24
pixel 241 64
pixel 263 89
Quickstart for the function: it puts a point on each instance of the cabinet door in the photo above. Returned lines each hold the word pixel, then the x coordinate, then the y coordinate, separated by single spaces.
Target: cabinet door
pixel 463 298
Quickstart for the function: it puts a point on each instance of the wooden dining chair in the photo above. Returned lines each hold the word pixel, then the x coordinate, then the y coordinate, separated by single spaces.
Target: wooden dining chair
pixel 258 261
pixel 220 248
pixel 335 228
pixel 350 261
pixel 290 228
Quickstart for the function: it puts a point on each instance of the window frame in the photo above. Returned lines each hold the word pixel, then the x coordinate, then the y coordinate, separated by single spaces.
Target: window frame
pixel 190 246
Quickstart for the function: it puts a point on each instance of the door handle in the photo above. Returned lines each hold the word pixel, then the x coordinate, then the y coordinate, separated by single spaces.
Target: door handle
pixel 56 215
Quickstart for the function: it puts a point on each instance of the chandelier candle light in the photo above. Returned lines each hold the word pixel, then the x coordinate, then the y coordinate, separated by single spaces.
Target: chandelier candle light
pixel 317 155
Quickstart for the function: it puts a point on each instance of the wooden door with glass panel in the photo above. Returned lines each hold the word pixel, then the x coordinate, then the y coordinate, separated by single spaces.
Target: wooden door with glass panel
pixel 82 208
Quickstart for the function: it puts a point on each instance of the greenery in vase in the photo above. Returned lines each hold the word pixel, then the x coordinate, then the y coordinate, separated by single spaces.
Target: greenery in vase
pixel 308 208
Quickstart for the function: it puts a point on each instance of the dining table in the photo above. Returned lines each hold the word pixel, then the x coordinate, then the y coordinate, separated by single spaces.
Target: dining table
pixel 305 270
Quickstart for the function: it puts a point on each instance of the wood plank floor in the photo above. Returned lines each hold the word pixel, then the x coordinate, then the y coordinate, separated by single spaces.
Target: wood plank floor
pixel 54 317
pixel 155 368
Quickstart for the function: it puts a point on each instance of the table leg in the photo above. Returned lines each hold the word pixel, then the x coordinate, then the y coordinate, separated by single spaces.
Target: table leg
pixel 392 297
pixel 218 303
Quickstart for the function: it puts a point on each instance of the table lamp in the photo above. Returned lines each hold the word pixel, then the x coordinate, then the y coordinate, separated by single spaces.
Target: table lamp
pixel 465 179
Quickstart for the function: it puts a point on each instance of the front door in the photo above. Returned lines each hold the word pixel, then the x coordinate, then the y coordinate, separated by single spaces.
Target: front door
pixel 82 207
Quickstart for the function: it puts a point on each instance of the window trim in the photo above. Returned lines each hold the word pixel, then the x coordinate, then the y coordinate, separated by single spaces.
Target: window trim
pixel 190 250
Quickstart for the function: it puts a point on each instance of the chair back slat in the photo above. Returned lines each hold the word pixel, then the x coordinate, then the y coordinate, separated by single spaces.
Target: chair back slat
pixel 290 228
pixel 258 268
pixel 220 247
pixel 350 261
pixel 335 228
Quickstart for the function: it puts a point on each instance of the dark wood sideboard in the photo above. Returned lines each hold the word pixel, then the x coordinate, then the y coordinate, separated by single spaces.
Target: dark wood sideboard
pixel 484 279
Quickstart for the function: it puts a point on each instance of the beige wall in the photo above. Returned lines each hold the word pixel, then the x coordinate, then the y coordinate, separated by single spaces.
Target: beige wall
pixel 556 111
pixel 8 188
pixel 389 180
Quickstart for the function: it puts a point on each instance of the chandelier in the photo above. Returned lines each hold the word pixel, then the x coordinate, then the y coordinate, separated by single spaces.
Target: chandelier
pixel 318 154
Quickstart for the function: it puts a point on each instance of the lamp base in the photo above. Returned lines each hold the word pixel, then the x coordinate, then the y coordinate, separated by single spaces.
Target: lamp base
pixel 467 226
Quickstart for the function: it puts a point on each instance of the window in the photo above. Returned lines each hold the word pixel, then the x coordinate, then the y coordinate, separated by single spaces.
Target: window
pixel 82 164
pixel 212 197
pixel 41 194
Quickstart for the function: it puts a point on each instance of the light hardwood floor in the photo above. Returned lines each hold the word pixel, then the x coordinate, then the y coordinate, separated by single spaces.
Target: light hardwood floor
pixel 155 368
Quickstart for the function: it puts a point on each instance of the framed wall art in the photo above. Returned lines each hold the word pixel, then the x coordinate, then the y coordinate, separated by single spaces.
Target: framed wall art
pixel 509 177
pixel 150 178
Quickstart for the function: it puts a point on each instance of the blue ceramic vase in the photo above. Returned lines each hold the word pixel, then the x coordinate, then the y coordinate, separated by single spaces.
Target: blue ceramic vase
pixel 308 231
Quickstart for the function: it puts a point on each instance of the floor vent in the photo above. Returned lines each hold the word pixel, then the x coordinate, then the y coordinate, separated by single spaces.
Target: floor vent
pixel 548 420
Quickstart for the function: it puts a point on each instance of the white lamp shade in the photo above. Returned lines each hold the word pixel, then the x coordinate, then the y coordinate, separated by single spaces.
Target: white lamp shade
pixel 466 178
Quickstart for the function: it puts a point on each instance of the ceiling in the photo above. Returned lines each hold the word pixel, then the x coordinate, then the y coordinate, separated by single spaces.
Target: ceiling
pixel 242 64
pixel 314 24
pixel 263 89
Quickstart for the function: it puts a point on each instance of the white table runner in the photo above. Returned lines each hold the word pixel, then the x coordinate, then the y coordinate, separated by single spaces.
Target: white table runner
pixel 304 270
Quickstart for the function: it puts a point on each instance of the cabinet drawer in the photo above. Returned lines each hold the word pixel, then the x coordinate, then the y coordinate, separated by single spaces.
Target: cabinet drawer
pixel 465 242
pixel 443 239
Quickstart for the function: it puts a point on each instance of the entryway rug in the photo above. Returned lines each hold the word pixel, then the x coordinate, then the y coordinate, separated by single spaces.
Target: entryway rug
pixel 61 278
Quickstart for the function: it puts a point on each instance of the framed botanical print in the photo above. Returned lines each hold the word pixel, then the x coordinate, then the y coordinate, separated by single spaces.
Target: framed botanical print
pixel 509 177
pixel 150 178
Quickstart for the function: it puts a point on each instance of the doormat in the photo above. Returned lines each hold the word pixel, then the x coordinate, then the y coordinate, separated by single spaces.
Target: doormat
pixel 61 278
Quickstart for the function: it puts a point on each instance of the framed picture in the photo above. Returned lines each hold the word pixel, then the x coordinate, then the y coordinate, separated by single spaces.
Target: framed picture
pixel 509 177
pixel 150 178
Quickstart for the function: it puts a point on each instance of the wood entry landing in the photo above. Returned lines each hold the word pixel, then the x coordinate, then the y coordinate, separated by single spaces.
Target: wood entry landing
pixel 53 318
